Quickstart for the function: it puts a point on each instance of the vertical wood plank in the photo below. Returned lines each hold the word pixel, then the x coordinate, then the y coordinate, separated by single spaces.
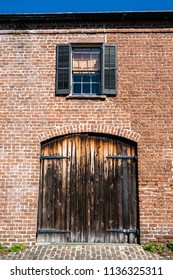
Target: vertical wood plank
pixel 88 193
pixel 40 200
pixel 102 187
pixel 69 155
pixel 87 189
pixel 73 190
pixel 119 192
pixel 84 206
pixel 133 211
pixel 91 196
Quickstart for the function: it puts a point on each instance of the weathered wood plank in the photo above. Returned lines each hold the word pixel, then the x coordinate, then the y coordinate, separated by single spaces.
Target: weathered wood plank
pixel 73 190
pixel 87 193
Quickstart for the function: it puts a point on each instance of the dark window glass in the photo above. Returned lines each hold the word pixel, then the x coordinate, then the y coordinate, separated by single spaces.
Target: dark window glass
pixel 77 88
pixel 86 88
pixel 96 78
pixel 86 78
pixel 76 78
pixel 96 88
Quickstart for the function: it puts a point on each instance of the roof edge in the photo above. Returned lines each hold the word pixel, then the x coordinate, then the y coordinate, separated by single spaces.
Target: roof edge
pixel 93 16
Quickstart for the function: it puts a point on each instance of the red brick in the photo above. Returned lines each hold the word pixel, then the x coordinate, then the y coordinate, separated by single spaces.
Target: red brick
pixel 31 113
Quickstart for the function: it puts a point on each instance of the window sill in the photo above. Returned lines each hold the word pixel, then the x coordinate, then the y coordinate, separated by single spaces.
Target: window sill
pixel 99 97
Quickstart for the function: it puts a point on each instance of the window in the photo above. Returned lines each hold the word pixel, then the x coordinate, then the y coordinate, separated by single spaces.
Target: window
pixel 87 70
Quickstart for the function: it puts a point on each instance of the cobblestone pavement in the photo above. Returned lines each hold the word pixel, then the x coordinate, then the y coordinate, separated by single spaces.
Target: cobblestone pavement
pixel 83 252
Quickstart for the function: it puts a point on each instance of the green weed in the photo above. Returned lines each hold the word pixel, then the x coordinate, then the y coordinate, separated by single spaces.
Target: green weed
pixel 170 245
pixel 1 247
pixel 160 247
pixel 16 247
pixel 150 247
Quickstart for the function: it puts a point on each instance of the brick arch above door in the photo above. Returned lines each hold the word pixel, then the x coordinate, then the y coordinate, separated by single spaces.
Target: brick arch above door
pixel 95 128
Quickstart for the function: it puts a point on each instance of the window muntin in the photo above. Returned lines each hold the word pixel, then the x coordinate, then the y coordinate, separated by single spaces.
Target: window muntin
pixel 86 71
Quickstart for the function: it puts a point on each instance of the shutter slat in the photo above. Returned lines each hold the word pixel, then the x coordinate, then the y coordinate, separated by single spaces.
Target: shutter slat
pixel 63 68
pixel 109 70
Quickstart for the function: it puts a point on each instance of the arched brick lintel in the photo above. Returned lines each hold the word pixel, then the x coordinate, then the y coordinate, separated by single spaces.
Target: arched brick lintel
pixel 107 129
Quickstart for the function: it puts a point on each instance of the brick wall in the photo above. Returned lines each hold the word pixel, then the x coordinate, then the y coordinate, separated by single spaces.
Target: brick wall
pixel 31 113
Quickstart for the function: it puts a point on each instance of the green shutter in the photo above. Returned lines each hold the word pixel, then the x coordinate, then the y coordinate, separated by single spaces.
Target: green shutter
pixel 63 69
pixel 109 69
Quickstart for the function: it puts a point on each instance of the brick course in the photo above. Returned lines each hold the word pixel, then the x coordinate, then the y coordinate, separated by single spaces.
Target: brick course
pixel 31 113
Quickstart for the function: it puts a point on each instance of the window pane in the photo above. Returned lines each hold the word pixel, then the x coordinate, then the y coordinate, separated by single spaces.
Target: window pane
pixel 86 84
pixel 76 78
pixel 86 78
pixel 77 56
pixel 96 61
pixel 86 88
pixel 95 78
pixel 86 59
pixel 96 88
pixel 86 56
pixel 77 88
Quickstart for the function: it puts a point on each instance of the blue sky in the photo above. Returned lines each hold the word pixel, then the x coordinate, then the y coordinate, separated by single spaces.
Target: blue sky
pixel 59 6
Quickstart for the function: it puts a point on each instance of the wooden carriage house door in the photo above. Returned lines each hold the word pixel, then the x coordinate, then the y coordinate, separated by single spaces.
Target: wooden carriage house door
pixel 88 190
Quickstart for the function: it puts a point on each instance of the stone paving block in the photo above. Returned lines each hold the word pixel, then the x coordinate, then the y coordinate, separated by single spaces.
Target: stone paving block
pixel 83 252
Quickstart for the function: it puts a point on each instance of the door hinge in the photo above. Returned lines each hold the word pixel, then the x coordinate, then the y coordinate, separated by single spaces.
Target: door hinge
pixel 122 157
pixel 124 230
pixel 53 157
pixel 44 231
